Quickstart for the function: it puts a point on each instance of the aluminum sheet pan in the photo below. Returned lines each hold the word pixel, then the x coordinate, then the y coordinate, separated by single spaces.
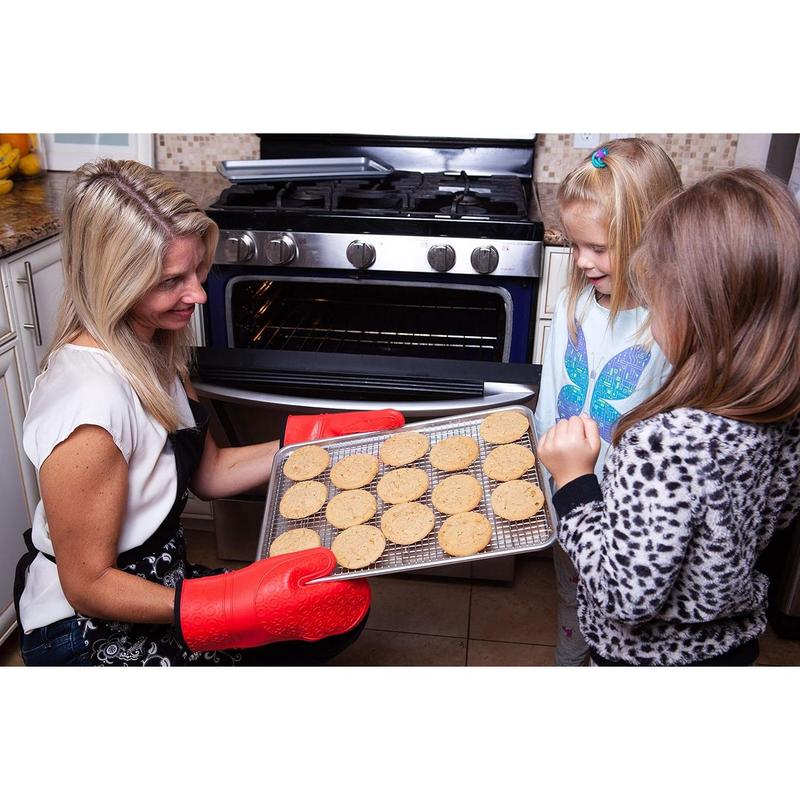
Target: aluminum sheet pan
pixel 508 538
pixel 302 169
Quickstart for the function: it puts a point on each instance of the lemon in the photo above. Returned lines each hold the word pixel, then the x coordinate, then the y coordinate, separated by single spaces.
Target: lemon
pixel 6 186
pixel 30 165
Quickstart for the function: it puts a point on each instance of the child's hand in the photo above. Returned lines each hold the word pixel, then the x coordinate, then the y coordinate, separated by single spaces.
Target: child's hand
pixel 570 449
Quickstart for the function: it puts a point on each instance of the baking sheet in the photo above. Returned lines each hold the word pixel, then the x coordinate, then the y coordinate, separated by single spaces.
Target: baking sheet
pixel 266 170
pixel 508 538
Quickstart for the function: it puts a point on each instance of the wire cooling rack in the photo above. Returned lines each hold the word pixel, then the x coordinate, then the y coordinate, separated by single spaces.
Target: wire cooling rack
pixel 508 537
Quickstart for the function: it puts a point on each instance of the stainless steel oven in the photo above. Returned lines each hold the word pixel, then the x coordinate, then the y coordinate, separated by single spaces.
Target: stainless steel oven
pixel 409 281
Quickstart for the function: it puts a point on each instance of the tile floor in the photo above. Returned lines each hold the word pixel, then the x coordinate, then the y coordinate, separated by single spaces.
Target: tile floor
pixel 417 621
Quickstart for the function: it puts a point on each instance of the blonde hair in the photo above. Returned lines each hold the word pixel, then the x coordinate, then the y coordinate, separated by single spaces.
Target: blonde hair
pixel 719 266
pixel 119 219
pixel 637 176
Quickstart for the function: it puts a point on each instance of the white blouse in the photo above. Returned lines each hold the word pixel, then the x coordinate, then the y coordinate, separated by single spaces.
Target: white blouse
pixel 88 386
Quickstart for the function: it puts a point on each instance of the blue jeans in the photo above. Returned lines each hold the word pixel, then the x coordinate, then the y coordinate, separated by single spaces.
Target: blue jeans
pixel 59 644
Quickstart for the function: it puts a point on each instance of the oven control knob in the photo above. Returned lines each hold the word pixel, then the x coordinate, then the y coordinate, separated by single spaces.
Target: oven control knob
pixel 442 257
pixel 361 254
pixel 484 259
pixel 281 250
pixel 239 248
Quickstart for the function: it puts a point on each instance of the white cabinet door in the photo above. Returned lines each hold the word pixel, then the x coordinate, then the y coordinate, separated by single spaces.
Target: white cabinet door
pixel 555 277
pixel 18 494
pixel 36 284
pixel 542 335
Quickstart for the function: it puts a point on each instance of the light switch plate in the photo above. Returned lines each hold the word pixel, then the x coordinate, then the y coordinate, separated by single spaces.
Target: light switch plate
pixel 586 141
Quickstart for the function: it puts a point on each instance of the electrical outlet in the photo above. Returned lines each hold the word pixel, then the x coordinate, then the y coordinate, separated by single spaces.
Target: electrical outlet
pixel 586 141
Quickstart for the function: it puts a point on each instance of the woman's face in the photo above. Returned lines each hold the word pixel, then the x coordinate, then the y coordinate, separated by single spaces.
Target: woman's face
pixel 169 304
pixel 588 232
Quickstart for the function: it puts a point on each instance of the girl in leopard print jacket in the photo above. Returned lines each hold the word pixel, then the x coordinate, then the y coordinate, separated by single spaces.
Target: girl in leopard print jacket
pixel 703 473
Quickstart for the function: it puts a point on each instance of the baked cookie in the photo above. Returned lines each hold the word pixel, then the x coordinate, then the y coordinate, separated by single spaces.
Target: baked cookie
pixel 403 485
pixel 456 494
pixel 306 463
pixel 353 472
pixel 465 534
pixel 516 500
pixel 303 499
pixel 358 546
pixel 454 453
pixel 407 523
pixel 504 427
pixel 351 508
pixel 508 462
pixel 403 448
pixel 294 540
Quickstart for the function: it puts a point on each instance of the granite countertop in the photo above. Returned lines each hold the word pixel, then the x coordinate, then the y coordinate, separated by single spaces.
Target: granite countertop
pixel 31 212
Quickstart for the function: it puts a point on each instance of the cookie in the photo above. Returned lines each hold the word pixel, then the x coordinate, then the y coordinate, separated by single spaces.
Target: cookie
pixel 353 472
pixel 517 500
pixel 306 462
pixel 303 499
pixel 351 508
pixel 465 534
pixel 403 448
pixel 402 485
pixel 454 453
pixel 407 523
pixel 294 540
pixel 358 546
pixel 504 427
pixel 508 462
pixel 456 494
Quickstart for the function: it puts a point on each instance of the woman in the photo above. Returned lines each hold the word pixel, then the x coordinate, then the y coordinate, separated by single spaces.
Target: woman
pixel 117 439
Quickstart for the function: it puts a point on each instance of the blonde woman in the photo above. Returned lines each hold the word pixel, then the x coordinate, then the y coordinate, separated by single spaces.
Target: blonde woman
pixel 600 359
pixel 705 471
pixel 117 438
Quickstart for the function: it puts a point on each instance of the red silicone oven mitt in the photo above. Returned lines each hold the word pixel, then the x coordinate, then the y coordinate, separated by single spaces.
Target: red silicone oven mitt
pixel 321 426
pixel 269 601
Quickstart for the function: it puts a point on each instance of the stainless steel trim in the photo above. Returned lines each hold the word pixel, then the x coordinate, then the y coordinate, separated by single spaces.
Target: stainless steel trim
pixel 31 326
pixel 7 337
pixel 504 293
pixel 508 538
pixel 317 250
pixel 496 394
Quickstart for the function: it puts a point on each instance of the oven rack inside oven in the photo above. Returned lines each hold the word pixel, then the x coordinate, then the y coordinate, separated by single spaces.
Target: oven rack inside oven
pixel 508 538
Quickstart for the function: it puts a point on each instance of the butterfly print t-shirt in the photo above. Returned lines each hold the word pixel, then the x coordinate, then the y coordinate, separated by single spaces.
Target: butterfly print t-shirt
pixel 605 373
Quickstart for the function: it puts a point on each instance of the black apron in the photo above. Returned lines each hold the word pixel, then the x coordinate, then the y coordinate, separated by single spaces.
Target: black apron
pixel 161 559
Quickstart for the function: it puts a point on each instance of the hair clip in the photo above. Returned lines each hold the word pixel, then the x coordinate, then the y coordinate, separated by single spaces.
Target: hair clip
pixel 598 157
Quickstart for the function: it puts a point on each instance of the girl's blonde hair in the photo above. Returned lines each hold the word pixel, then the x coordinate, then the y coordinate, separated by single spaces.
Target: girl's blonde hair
pixel 637 176
pixel 719 267
pixel 119 219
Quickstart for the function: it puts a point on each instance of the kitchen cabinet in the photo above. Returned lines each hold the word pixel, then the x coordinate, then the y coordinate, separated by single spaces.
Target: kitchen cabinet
pixel 33 284
pixel 18 492
pixel 555 269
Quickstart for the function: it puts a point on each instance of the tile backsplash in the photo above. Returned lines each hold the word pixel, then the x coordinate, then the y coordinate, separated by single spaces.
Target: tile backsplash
pixel 695 154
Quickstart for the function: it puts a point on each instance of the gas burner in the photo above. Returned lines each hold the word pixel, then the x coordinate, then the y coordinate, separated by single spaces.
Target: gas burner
pixel 300 196
pixel 378 201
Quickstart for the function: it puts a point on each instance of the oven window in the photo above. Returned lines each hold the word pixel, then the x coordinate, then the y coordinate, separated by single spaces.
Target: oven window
pixel 368 319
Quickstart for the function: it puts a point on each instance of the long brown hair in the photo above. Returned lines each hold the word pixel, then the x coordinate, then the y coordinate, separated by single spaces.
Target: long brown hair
pixel 119 219
pixel 637 176
pixel 719 267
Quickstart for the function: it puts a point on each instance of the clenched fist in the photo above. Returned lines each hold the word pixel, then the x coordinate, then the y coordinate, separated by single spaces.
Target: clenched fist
pixel 570 449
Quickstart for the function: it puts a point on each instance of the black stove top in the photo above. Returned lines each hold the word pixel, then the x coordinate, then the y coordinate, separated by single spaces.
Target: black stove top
pixel 401 194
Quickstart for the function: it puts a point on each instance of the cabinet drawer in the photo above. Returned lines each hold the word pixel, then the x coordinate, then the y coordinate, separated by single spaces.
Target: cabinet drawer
pixel 555 276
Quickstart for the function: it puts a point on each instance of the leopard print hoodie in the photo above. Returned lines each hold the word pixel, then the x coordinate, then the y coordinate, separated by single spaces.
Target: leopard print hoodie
pixel 666 550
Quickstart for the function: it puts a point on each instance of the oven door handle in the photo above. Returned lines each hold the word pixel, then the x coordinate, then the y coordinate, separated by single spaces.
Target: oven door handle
pixel 495 394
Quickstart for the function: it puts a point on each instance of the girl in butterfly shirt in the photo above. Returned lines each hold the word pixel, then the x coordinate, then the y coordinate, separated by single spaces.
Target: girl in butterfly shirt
pixel 600 359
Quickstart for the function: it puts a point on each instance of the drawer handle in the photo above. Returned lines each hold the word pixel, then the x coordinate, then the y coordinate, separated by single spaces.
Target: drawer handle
pixel 32 326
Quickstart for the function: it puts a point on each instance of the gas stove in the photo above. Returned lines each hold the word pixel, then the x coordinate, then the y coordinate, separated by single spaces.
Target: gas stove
pixel 445 206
